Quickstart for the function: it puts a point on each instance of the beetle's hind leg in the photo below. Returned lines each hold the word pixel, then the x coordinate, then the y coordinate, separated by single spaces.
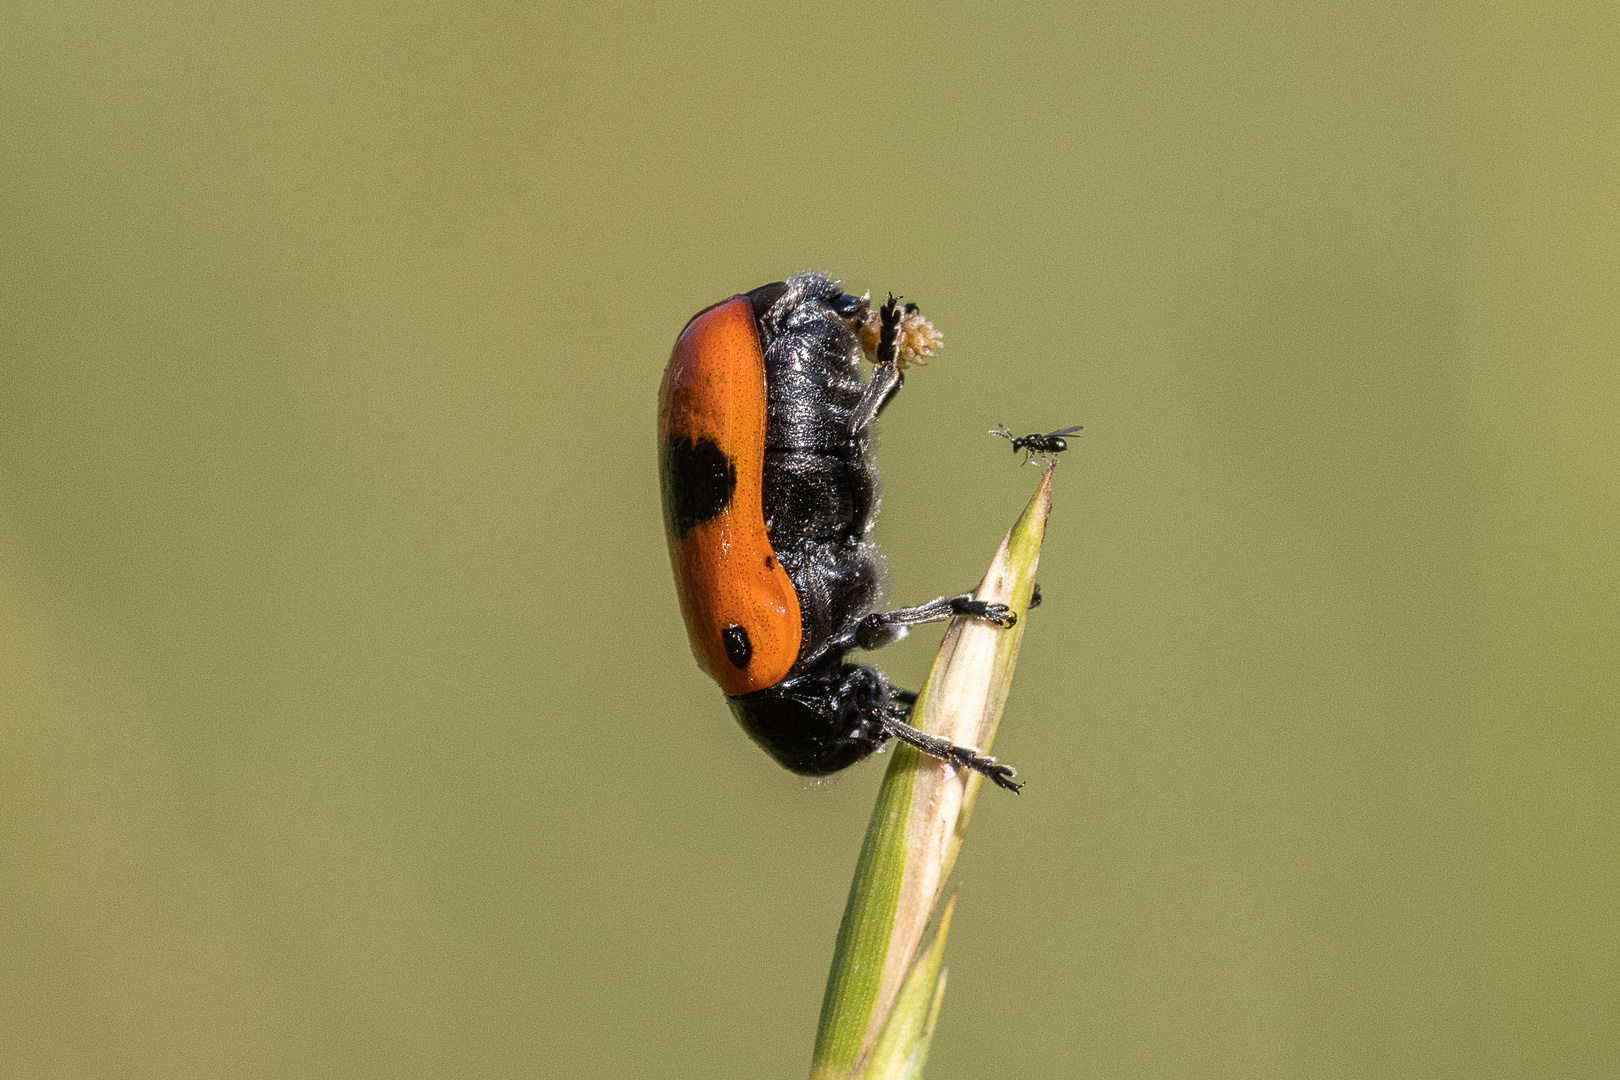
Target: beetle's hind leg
pixel 961 756
pixel 884 627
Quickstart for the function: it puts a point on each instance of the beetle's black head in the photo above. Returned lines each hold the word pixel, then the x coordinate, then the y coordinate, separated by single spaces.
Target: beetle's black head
pixel 818 723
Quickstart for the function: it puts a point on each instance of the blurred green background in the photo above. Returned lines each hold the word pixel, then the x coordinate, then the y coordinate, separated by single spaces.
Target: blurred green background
pixel 347 724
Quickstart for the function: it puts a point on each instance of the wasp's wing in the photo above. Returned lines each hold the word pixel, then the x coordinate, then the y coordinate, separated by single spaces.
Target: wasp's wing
pixel 1065 431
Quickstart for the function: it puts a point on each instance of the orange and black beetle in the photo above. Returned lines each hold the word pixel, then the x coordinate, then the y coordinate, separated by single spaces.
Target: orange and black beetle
pixel 770 493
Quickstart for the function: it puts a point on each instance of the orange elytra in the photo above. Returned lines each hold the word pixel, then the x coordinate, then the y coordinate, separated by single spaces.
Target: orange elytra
pixel 742 614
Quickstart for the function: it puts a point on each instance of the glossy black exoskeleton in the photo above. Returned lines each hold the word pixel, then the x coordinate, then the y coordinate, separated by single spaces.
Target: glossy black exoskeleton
pixel 820 503
pixel 1037 446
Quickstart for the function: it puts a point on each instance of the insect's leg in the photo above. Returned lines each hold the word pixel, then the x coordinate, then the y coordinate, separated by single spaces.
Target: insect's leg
pixel 962 756
pixel 886 377
pixel 886 381
pixel 884 627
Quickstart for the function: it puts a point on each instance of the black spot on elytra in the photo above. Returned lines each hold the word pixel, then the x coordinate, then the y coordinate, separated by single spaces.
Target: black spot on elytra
pixel 698 481
pixel 738 647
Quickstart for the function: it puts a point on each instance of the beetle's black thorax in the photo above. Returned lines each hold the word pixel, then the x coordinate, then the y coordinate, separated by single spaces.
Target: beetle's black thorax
pixel 821 485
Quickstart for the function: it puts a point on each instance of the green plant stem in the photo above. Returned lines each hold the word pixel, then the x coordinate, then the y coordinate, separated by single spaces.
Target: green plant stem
pixel 916 827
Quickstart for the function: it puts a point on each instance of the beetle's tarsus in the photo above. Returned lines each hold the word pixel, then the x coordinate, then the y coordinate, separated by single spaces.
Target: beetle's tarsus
pixel 964 757
pixel 1000 614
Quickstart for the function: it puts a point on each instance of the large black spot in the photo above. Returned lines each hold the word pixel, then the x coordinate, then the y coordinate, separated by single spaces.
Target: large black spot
pixel 698 481
pixel 738 647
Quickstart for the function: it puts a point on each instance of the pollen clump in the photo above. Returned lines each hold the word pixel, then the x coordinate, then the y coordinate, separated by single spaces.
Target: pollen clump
pixel 915 340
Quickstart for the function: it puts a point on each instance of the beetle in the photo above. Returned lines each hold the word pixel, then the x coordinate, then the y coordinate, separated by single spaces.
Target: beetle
pixel 770 492
pixel 1034 446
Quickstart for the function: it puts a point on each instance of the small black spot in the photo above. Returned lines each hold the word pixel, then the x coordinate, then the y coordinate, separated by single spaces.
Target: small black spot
pixel 698 481
pixel 770 562
pixel 738 648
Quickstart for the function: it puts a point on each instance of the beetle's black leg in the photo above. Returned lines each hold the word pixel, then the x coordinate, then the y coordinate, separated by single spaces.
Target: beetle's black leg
pixel 1034 598
pixel 962 756
pixel 886 380
pixel 883 627
pixel 886 377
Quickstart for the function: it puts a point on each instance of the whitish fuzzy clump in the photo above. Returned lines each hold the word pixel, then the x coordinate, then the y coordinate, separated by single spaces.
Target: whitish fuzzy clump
pixel 917 337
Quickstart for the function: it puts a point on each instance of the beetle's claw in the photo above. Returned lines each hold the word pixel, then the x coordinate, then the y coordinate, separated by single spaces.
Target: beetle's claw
pixel 987 766
pixel 1002 615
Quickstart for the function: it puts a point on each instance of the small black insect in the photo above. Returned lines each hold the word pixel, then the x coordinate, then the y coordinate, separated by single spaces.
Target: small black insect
pixel 1036 446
